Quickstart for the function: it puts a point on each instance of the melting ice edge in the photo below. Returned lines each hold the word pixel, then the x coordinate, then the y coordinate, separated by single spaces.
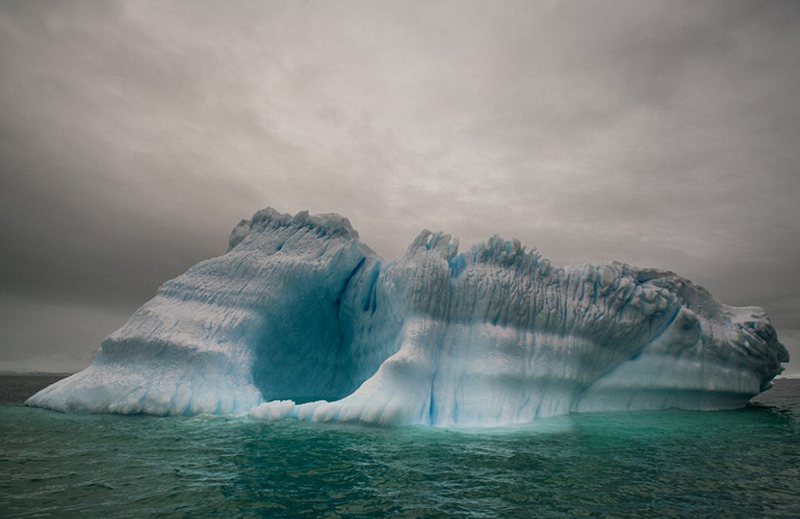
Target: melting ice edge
pixel 300 319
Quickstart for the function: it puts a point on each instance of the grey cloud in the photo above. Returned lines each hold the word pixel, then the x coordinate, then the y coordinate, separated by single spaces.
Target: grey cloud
pixel 134 135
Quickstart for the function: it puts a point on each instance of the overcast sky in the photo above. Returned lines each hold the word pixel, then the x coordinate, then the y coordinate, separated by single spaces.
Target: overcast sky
pixel 135 135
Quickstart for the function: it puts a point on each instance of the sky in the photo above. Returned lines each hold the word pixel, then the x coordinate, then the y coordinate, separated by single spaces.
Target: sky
pixel 135 135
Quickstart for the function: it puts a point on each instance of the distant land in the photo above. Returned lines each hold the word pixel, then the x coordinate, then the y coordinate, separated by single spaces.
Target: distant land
pixel 43 364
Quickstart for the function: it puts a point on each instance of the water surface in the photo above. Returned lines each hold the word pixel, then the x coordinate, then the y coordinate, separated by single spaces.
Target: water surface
pixel 743 463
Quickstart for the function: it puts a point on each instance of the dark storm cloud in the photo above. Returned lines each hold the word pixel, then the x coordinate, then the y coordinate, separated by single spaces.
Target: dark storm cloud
pixel 134 135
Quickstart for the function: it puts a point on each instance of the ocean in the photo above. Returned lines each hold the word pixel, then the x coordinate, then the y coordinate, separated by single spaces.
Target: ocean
pixel 743 463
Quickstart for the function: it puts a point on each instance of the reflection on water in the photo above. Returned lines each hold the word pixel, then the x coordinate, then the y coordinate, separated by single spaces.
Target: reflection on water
pixel 687 464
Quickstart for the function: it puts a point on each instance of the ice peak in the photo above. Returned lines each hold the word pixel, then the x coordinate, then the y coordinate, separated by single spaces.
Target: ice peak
pixel 439 242
pixel 326 224
pixel 506 253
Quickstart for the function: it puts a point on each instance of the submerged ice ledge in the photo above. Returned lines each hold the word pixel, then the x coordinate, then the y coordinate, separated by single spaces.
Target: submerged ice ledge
pixel 299 310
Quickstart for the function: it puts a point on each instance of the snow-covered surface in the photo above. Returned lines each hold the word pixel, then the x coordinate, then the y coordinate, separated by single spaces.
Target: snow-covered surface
pixel 300 319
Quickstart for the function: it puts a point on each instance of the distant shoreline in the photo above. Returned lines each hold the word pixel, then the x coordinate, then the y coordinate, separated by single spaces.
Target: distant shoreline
pixel 35 373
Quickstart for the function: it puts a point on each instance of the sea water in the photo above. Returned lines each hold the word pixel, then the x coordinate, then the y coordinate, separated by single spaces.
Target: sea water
pixel 743 463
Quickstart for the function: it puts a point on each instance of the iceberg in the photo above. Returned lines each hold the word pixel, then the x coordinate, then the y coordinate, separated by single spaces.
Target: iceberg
pixel 300 319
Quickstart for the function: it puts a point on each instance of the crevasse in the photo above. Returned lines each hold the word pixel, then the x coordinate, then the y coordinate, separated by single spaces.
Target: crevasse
pixel 299 319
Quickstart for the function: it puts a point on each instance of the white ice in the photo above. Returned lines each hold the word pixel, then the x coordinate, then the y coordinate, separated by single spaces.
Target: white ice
pixel 301 320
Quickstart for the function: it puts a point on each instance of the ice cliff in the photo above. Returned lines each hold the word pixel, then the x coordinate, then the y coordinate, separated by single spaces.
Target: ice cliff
pixel 300 319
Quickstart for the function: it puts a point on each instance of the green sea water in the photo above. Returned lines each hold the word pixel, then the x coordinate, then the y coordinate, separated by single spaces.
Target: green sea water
pixel 743 463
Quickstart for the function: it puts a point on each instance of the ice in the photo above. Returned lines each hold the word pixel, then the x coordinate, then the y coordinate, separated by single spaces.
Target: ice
pixel 301 320
pixel 269 319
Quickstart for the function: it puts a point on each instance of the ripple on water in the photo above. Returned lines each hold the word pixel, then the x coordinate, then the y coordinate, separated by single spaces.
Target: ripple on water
pixel 684 464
